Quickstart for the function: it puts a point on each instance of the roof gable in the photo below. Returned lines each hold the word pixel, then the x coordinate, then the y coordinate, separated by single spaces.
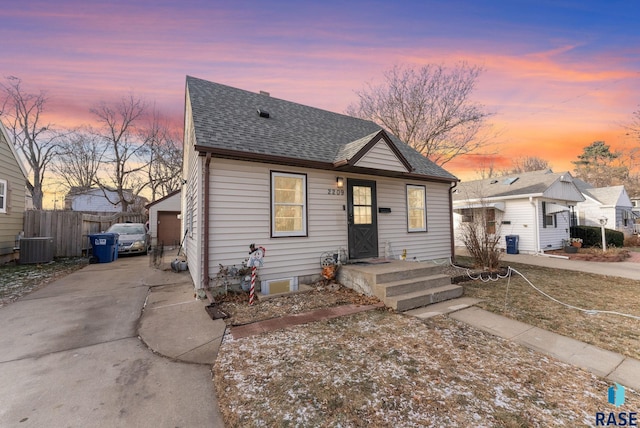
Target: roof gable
pixel 230 122
pixel 609 196
pixel 373 151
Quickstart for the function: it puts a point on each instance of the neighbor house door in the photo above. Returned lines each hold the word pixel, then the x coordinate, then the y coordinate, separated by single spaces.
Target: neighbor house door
pixel 362 219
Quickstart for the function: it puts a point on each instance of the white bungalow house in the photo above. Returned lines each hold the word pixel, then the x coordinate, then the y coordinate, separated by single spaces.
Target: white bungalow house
pixel 99 200
pixel 164 220
pixel 612 203
pixel 13 178
pixel 536 207
pixel 300 181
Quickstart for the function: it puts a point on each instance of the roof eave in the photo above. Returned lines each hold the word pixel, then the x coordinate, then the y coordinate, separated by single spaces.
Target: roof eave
pixel 341 166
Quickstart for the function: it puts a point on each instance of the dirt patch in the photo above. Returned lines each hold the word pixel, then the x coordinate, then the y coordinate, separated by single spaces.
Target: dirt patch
pixel 322 294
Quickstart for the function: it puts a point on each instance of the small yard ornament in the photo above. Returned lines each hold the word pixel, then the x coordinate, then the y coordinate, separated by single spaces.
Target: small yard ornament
pixel 256 254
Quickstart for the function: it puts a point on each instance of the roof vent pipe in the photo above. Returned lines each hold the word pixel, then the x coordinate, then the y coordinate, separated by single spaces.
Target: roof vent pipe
pixel 265 93
pixel 263 113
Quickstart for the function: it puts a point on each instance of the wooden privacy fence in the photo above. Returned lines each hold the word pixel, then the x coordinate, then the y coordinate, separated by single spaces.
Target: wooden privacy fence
pixel 70 229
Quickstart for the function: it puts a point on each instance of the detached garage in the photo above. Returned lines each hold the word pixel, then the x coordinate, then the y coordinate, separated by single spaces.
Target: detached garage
pixel 164 220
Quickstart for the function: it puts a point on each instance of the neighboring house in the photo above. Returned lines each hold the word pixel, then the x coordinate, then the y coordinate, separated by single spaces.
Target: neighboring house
pixel 537 207
pixel 164 220
pixel 612 203
pixel 13 178
pixel 94 200
pixel 300 182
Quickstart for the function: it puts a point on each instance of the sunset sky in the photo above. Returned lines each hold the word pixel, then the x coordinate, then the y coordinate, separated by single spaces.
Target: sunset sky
pixel 558 74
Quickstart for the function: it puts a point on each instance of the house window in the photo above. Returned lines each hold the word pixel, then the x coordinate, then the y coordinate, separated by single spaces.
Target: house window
pixel 416 208
pixel 288 204
pixel 548 220
pixel 490 222
pixel 3 196
pixel 190 208
pixel 467 215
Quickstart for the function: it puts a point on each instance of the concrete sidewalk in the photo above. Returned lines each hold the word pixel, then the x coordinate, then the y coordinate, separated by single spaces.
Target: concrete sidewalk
pixel 610 365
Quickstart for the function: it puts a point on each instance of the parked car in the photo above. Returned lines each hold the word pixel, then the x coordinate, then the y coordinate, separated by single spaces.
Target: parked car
pixel 132 237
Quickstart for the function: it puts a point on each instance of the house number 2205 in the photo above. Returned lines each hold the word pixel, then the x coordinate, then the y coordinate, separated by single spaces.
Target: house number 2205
pixel 339 192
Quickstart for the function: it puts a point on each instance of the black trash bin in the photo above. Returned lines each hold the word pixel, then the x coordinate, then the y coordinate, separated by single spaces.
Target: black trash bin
pixel 512 244
pixel 104 247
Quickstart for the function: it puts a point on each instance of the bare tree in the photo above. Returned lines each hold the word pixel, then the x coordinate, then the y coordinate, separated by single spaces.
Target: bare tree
pixel 527 164
pixel 429 108
pixel 480 232
pixel 127 156
pixel 36 141
pixel 165 166
pixel 79 157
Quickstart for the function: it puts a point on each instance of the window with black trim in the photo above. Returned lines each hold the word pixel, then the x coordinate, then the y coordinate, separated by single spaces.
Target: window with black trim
pixel 288 204
pixel 3 196
pixel 548 220
pixel 416 208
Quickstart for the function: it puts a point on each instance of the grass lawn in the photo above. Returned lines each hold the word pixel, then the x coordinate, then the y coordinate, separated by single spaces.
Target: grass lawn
pixel 381 368
pixel 516 299
pixel 18 280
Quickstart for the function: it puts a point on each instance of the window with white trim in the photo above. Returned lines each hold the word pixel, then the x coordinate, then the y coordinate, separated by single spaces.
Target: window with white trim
pixel 416 208
pixel 3 196
pixel 288 204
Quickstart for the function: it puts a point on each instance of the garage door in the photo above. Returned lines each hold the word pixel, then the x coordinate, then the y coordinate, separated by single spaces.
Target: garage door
pixel 168 228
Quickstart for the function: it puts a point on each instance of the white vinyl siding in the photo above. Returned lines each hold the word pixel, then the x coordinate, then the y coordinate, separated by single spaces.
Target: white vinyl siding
pixel 393 236
pixel 416 208
pixel 192 197
pixel 240 215
pixel 381 157
pixel 551 236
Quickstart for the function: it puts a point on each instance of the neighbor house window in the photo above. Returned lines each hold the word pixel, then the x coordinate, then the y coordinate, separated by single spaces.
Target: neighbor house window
pixel 3 196
pixel 467 215
pixel 490 223
pixel 548 220
pixel 416 208
pixel 288 204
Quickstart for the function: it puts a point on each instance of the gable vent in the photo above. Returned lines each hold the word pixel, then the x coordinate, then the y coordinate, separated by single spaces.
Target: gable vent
pixel 263 113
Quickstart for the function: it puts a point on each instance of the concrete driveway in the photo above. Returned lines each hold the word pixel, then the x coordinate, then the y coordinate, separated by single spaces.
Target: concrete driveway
pixel 70 356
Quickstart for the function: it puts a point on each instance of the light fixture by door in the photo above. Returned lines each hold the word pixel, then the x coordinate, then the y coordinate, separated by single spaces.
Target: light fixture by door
pixel 340 182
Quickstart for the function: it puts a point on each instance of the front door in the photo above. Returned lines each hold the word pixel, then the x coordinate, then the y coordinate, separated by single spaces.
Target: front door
pixel 362 218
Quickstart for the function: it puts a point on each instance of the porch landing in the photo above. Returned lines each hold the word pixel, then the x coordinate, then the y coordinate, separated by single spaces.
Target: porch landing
pixel 401 285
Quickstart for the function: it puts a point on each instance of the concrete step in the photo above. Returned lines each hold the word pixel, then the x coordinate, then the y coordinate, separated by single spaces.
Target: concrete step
pixel 404 286
pixel 409 271
pixel 417 299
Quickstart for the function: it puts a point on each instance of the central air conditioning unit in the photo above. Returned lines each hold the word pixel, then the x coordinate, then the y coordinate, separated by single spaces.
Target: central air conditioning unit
pixel 36 250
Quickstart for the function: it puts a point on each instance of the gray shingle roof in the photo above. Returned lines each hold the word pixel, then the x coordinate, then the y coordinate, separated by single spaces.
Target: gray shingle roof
pixel 527 183
pixel 227 118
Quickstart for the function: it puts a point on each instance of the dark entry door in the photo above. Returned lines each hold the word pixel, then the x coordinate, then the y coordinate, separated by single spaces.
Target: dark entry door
pixel 363 219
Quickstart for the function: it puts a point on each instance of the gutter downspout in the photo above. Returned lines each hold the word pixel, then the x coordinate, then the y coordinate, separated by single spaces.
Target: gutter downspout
pixel 205 234
pixel 536 231
pixel 453 243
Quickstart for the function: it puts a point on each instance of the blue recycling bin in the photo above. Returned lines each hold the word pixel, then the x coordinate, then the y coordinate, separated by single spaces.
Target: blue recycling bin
pixel 104 247
pixel 512 244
